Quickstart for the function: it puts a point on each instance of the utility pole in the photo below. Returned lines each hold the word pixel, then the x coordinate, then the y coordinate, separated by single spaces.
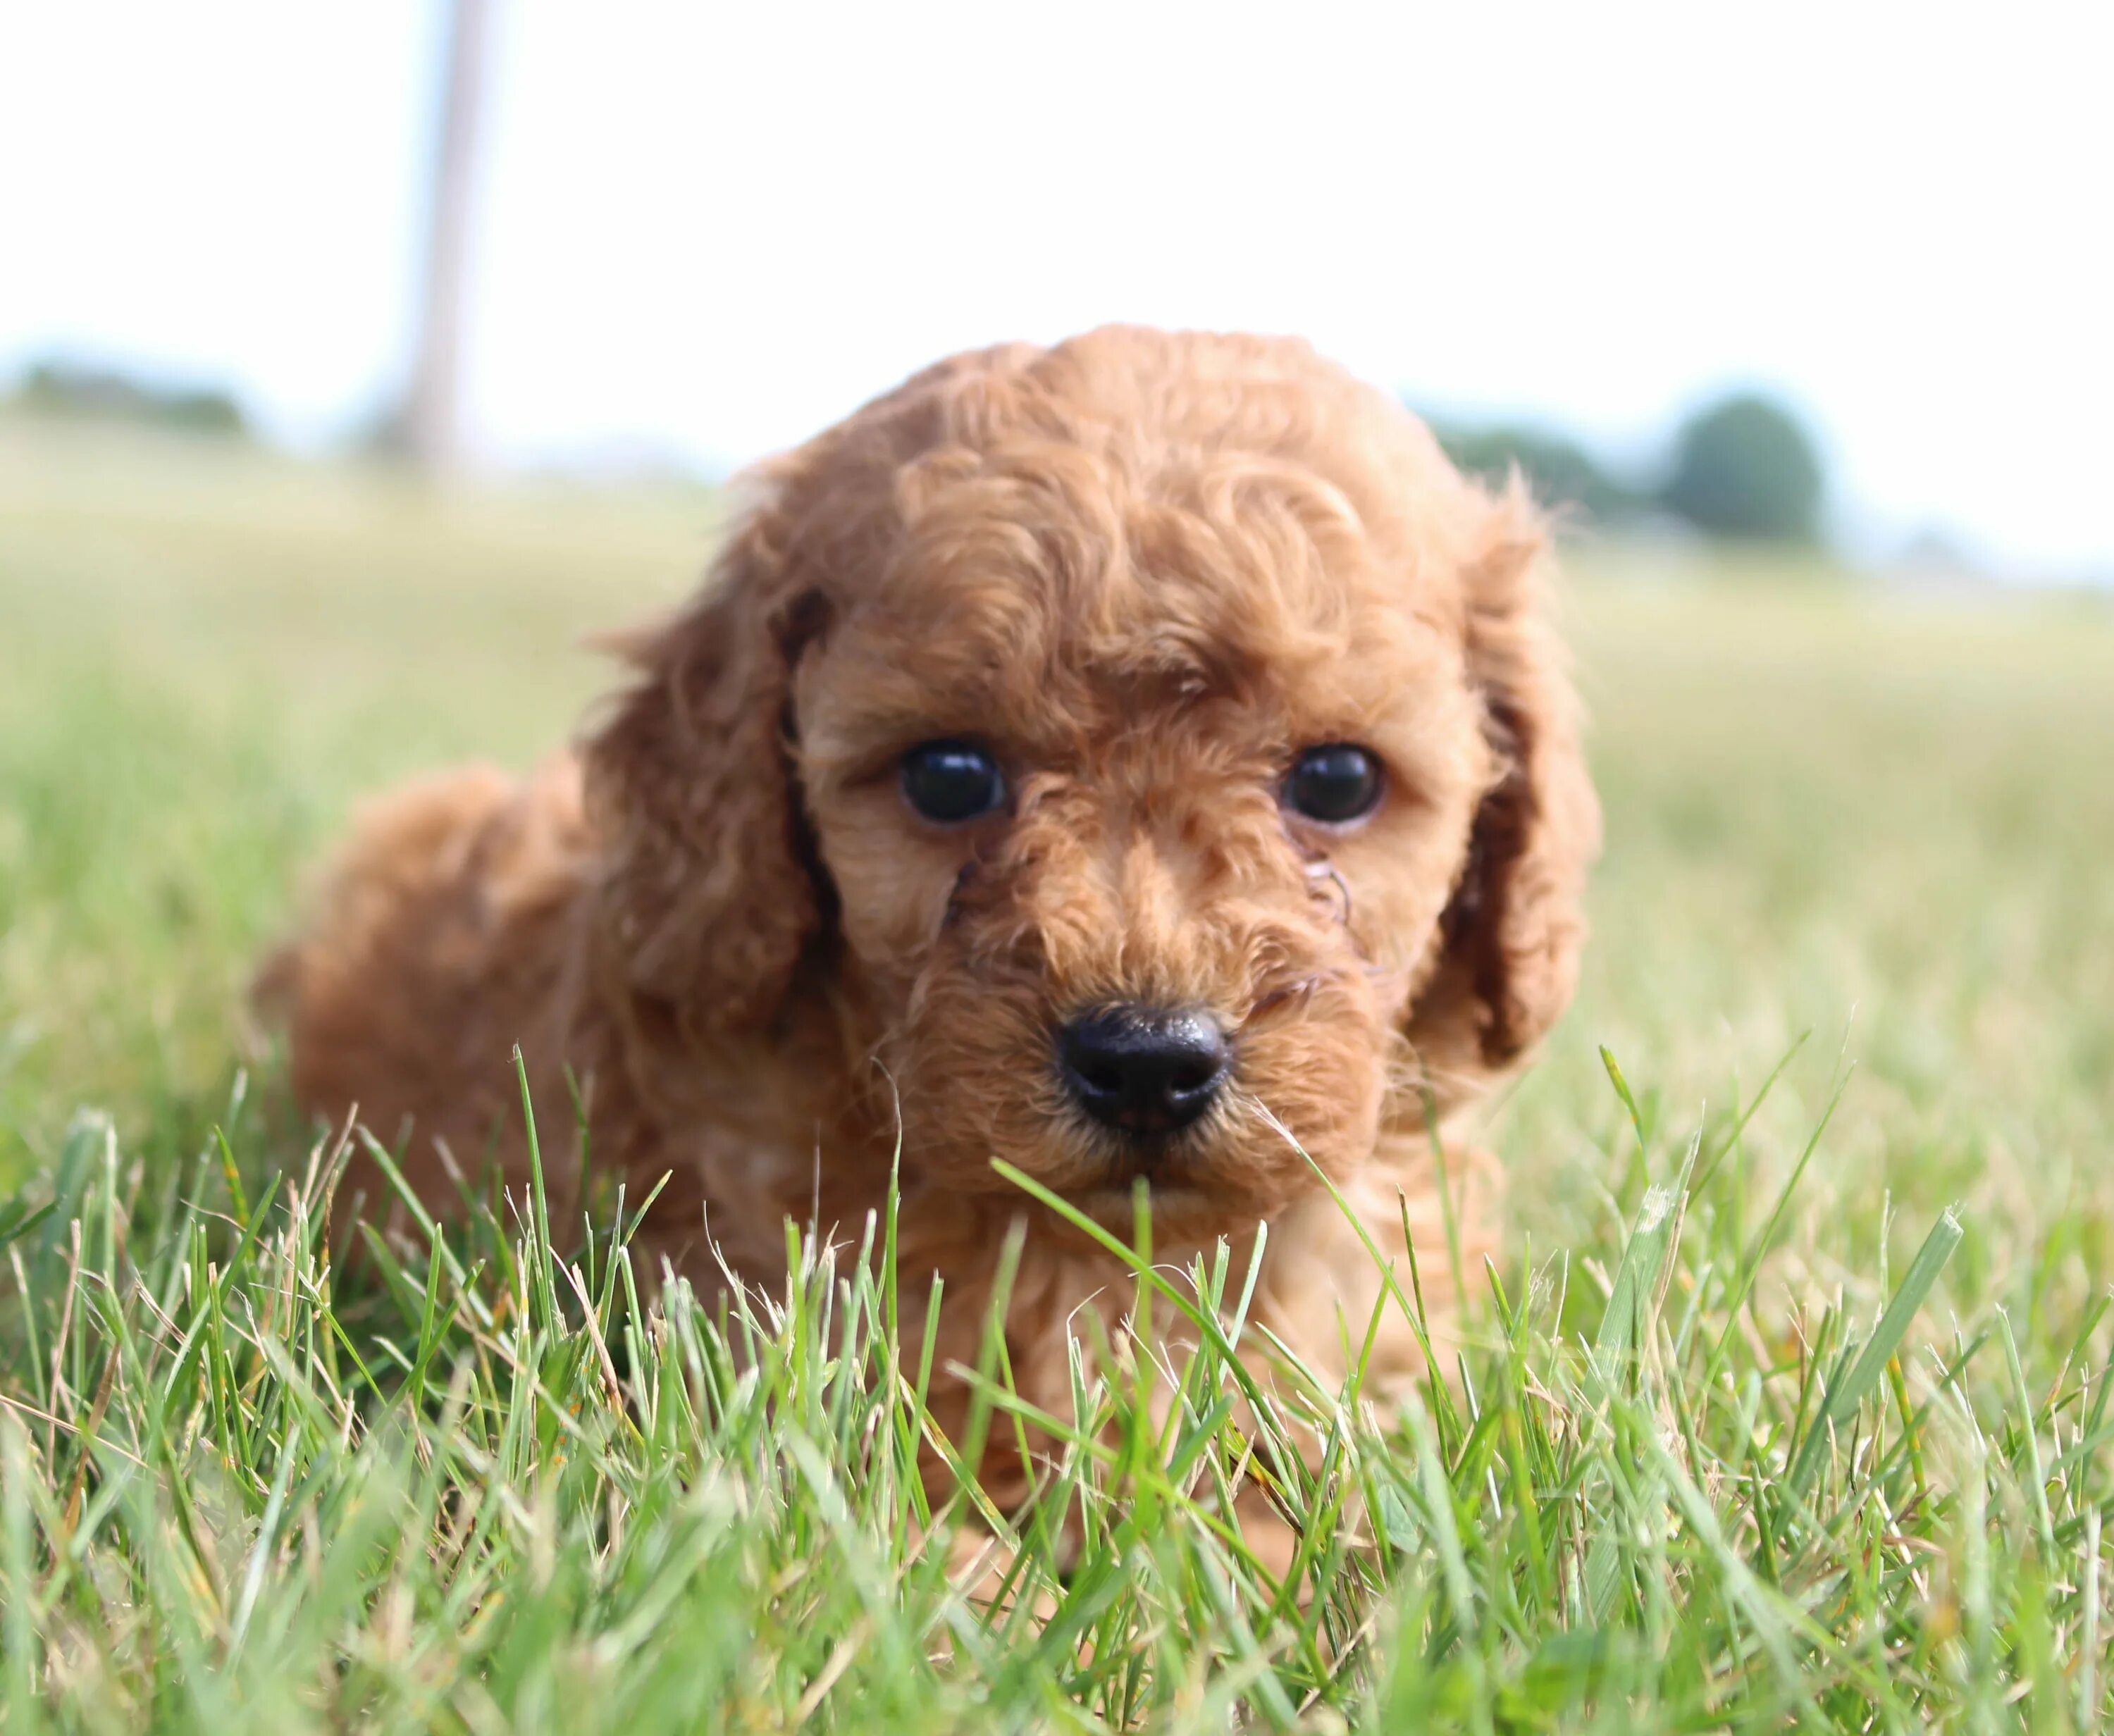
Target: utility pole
pixel 431 425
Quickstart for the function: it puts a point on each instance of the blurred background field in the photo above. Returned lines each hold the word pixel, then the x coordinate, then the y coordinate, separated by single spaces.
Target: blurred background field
pixel 1880 814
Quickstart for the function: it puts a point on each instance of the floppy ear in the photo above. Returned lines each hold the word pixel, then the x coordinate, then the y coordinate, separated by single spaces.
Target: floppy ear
pixel 711 891
pixel 1512 932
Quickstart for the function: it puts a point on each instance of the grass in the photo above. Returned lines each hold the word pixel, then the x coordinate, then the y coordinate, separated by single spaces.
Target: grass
pixel 1787 1406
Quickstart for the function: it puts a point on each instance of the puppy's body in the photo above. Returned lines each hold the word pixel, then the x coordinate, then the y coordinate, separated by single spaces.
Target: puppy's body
pixel 1138 578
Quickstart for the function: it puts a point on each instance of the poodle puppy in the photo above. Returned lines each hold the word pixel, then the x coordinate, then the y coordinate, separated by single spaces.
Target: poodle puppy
pixel 1142 760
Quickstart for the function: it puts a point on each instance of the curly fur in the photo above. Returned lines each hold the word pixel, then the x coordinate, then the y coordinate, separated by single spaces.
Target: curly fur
pixel 1146 568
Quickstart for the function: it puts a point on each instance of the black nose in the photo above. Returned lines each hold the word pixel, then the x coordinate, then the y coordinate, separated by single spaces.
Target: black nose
pixel 1142 1071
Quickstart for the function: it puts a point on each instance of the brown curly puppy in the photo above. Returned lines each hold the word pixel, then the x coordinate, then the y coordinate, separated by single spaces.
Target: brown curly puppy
pixel 1111 758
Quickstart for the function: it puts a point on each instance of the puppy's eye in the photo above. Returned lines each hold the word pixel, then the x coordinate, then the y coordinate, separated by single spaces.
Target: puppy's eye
pixel 950 781
pixel 1335 784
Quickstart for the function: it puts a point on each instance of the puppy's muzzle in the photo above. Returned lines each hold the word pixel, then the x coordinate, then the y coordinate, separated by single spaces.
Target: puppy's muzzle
pixel 1143 1070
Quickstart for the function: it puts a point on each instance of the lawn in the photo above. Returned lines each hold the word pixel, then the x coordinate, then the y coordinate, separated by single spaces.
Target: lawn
pixel 1787 1406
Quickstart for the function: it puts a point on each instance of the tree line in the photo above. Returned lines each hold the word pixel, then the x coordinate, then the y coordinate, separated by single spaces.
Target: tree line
pixel 1742 467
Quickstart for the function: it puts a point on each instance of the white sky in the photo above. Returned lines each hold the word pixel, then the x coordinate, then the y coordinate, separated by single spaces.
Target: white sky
pixel 709 230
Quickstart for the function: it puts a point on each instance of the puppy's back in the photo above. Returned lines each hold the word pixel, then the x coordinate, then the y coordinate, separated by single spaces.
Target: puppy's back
pixel 436 939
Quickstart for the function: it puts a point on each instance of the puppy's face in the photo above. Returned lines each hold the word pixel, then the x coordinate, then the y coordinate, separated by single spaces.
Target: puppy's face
pixel 1138 857
pixel 1163 752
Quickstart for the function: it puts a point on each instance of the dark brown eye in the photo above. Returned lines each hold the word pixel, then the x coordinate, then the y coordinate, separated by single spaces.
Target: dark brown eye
pixel 949 782
pixel 1335 784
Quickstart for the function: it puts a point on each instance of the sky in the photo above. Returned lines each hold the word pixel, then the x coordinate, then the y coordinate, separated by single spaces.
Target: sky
pixel 707 231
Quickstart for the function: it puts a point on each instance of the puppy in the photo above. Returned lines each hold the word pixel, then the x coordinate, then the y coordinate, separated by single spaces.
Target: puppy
pixel 1143 760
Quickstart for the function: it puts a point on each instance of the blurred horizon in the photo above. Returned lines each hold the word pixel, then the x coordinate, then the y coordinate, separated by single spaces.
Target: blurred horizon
pixel 698 238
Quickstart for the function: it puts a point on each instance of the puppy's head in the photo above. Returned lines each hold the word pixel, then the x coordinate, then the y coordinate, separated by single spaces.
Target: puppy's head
pixel 1133 746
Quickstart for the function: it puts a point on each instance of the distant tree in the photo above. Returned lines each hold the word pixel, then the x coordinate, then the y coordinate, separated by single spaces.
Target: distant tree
pixel 56 387
pixel 1559 470
pixel 1744 467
